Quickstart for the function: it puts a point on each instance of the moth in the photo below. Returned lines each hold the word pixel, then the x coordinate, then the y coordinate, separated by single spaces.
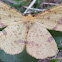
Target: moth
pixel 29 32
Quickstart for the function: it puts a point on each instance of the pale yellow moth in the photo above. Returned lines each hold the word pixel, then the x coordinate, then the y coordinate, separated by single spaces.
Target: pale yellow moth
pixel 29 32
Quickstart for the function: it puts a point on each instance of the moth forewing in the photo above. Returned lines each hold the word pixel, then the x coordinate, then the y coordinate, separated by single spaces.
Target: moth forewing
pixel 9 15
pixel 40 43
pixel 12 41
pixel 51 19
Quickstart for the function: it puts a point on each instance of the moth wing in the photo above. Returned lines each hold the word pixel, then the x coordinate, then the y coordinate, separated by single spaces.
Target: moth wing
pixel 40 43
pixel 51 19
pixel 9 15
pixel 12 39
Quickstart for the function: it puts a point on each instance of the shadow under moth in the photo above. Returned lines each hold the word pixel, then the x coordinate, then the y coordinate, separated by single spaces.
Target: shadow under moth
pixel 29 32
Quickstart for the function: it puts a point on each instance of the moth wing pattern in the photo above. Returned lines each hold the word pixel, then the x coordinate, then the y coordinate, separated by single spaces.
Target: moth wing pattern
pixel 12 39
pixel 51 18
pixel 40 43
pixel 9 15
